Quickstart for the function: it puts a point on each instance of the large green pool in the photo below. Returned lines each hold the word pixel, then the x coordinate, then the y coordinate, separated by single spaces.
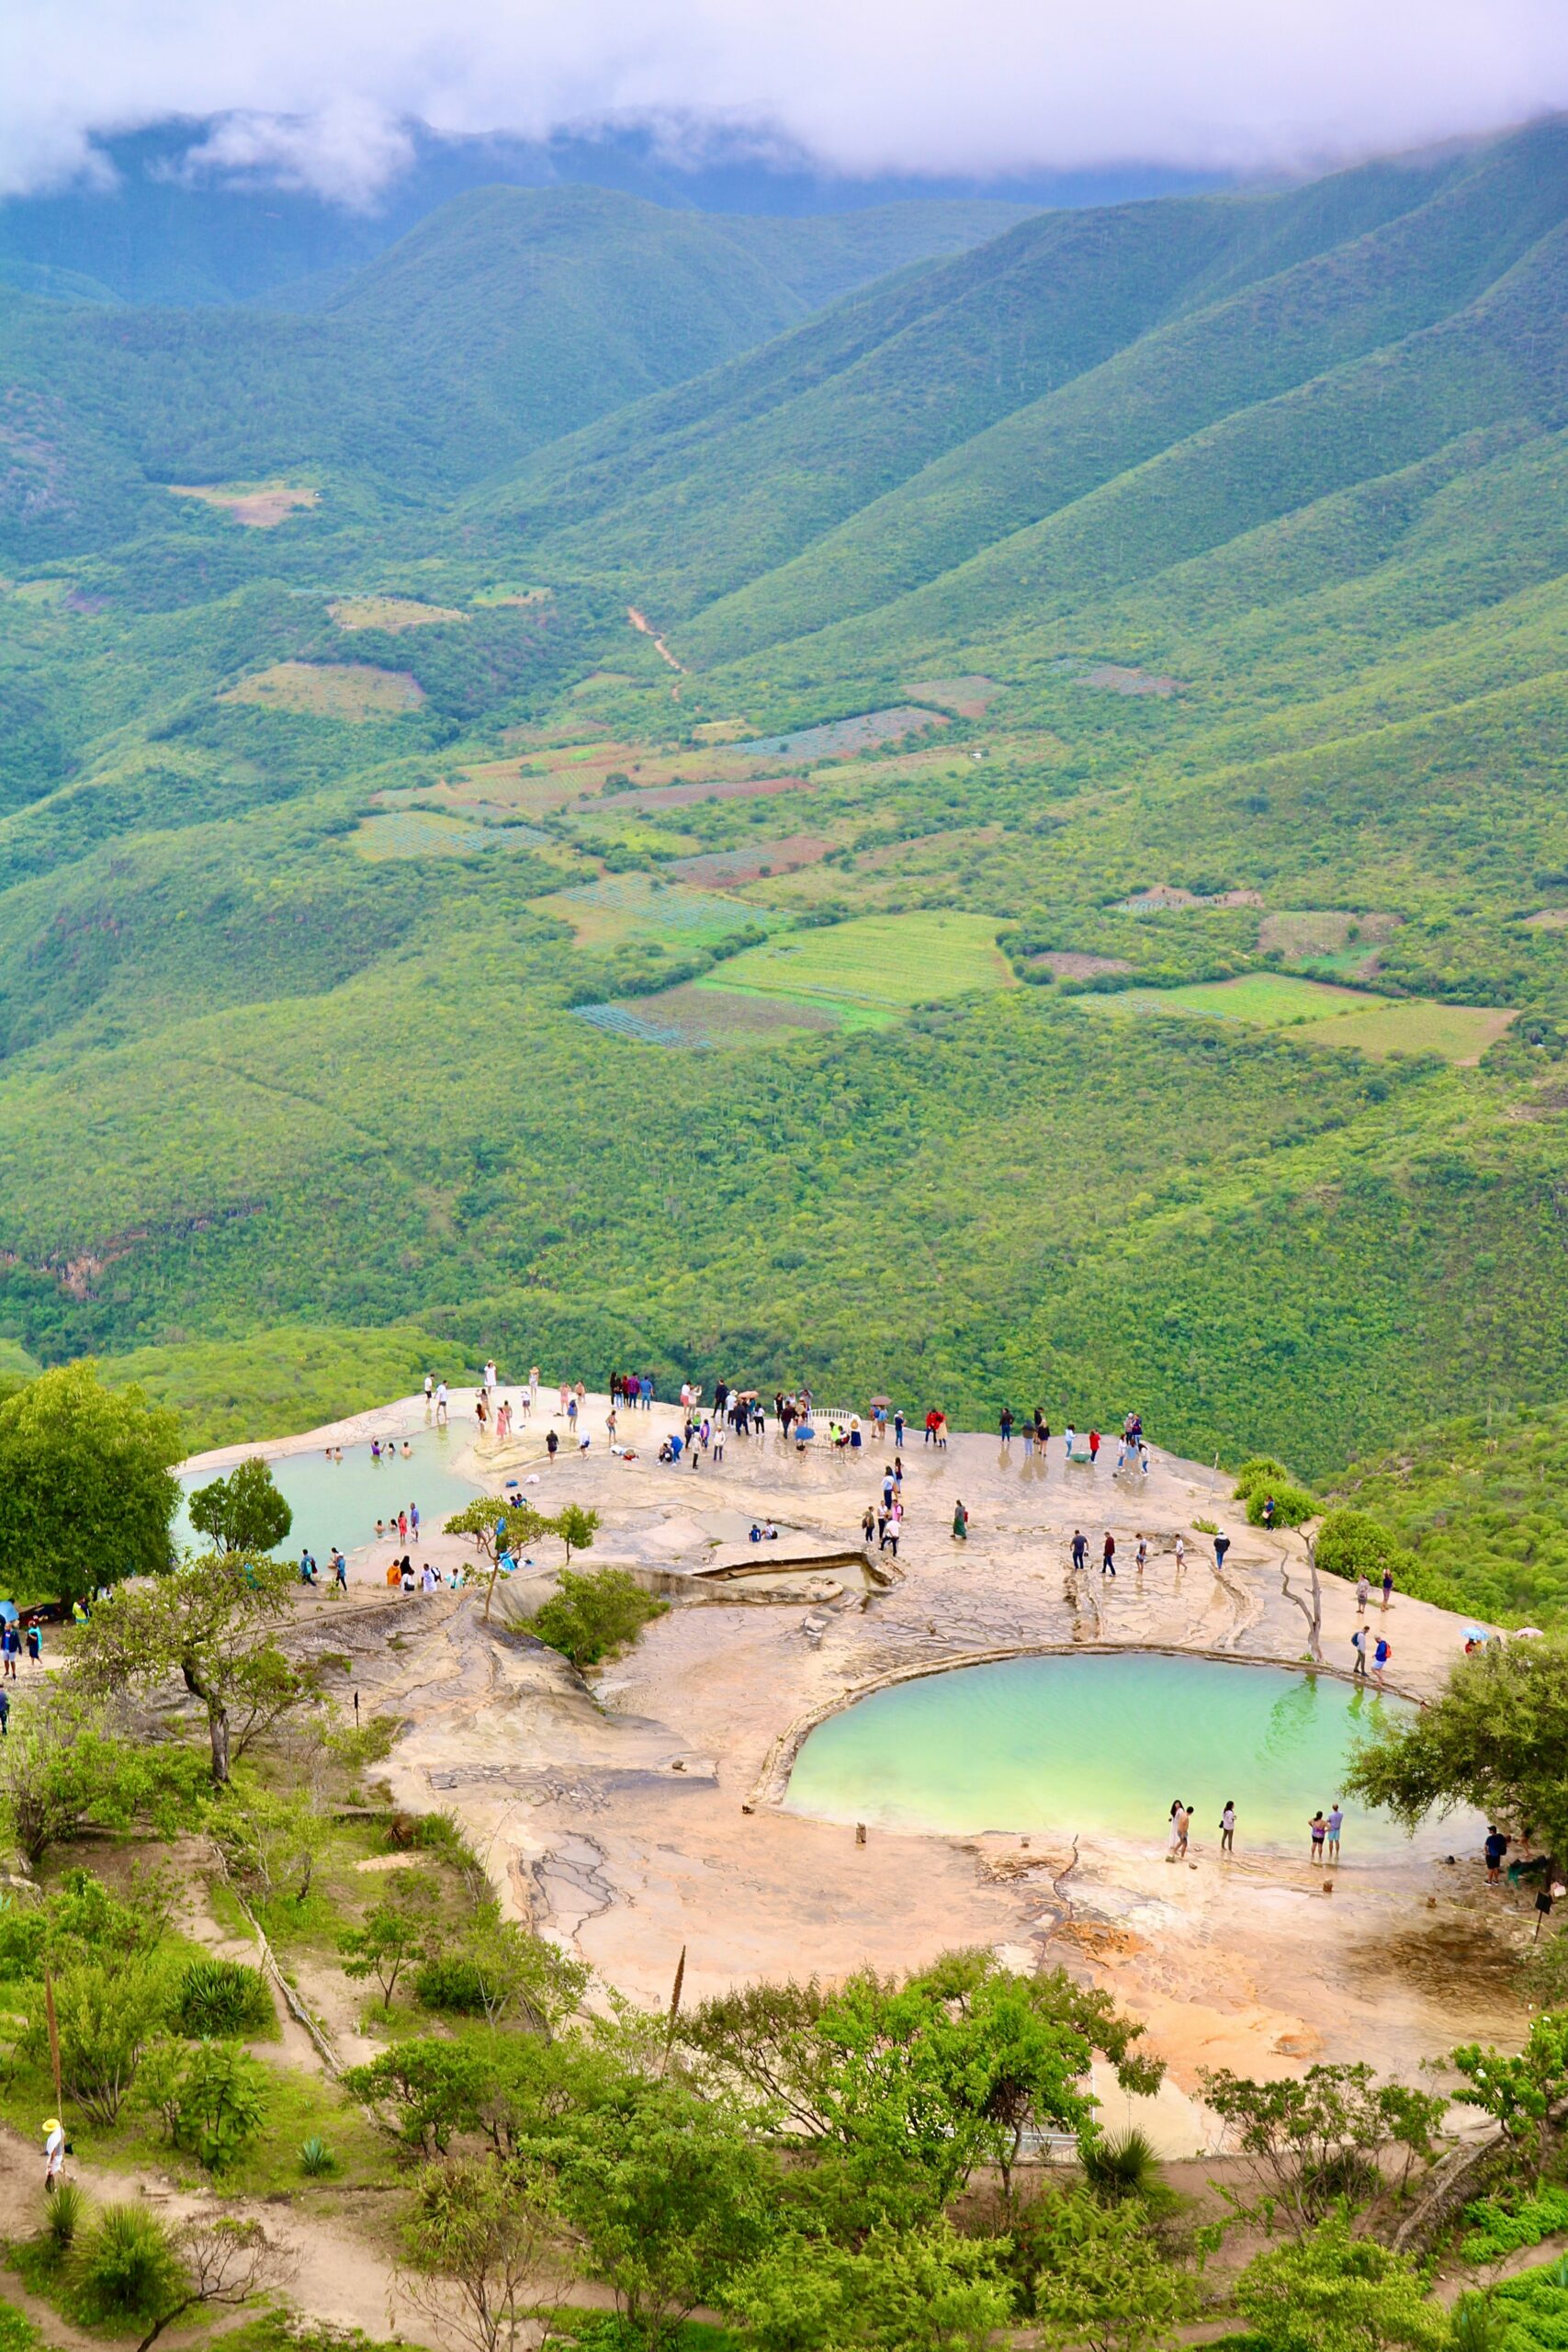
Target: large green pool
pixel 1100 1742
pixel 339 1502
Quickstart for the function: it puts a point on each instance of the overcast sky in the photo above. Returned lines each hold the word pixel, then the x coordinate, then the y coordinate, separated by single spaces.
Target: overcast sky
pixel 317 93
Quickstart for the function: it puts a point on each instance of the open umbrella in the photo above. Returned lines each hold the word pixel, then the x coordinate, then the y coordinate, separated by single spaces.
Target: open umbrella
pixel 882 1400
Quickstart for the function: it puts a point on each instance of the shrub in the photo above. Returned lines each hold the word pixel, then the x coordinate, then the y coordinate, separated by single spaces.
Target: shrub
pixel 1292 1505
pixel 223 1997
pixel 451 1982
pixel 128 2266
pixel 316 2158
pixel 1120 2166
pixel 67 2211
pixel 1496 2227
pixel 1257 1474
pixel 106 2018
pixel 1353 1543
pixel 223 2103
pixel 592 1616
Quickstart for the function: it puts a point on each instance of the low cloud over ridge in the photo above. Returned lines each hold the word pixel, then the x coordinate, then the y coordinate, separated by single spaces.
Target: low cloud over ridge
pixel 318 96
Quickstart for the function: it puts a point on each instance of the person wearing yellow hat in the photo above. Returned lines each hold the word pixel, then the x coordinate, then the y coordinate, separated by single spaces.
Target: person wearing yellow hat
pixel 54 2153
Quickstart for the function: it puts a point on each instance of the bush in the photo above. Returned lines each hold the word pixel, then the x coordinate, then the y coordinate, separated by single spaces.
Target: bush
pixel 221 2103
pixel 1120 2166
pixel 67 2210
pixel 450 1982
pixel 1496 2227
pixel 127 2267
pixel 1259 1472
pixel 1352 1543
pixel 106 2018
pixel 316 2158
pixel 592 1616
pixel 1292 1505
pixel 223 1997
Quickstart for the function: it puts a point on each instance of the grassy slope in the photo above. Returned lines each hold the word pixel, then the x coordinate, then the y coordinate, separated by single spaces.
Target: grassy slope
pixel 1302 453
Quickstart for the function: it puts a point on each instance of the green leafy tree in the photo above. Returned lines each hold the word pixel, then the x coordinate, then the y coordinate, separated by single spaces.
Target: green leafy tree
pixel 913 2085
pixel 1313 2145
pixel 591 1617
pixel 66 1765
pixel 1496 1738
pixel 244 1511
pixel 392 1932
pixel 106 2018
pixel 85 1474
pixel 481 2255
pixel 270 1842
pixel 511 2089
pixel 665 2195
pixel 1520 2091
pixel 577 1528
pixel 504 1972
pixel 1333 2292
pixel 1107 2280
pixel 918 2290
pixel 210 1621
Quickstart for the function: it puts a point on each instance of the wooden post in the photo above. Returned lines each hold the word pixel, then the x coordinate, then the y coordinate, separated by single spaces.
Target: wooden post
pixel 54 2035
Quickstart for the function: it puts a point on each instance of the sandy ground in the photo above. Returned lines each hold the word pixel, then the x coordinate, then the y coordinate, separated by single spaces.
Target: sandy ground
pixel 642 1818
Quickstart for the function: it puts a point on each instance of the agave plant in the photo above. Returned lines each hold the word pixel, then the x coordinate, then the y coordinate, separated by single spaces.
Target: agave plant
pixel 316 2157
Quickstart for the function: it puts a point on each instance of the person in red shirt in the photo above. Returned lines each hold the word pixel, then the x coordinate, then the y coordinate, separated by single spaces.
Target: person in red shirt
pixel 1093 1445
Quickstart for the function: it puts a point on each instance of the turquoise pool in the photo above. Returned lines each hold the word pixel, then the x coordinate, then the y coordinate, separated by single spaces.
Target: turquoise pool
pixel 1097 1742
pixel 339 1502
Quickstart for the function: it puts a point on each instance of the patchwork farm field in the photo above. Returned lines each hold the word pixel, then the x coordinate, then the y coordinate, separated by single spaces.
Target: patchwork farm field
pixel 259 505
pixel 884 962
pixel 390 613
pixel 354 690
pixel 622 907
pixel 1316 1013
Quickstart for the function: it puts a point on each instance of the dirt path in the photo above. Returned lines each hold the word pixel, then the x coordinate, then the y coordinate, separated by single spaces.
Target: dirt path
pixel 645 627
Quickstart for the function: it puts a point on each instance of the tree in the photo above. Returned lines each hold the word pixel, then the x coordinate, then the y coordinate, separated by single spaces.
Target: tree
pixel 918 2290
pixel 482 2255
pixel 1522 2092
pixel 224 2262
pixel 244 1511
pixel 577 1528
pixel 106 2018
pixel 1106 2280
pixel 664 2193
pixel 66 1764
pixel 1313 2144
pixel 269 1844
pixel 491 1528
pixel 915 2083
pixel 392 1932
pixel 1333 2292
pixel 506 1972
pixel 85 1474
pixel 1497 1740
pixel 209 1621
pixel 589 1618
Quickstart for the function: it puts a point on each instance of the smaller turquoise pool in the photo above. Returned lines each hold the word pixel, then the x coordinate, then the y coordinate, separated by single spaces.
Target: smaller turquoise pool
pixel 1100 1742
pixel 339 1502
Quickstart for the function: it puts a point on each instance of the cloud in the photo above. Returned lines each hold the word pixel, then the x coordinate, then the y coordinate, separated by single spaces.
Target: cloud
pixel 317 93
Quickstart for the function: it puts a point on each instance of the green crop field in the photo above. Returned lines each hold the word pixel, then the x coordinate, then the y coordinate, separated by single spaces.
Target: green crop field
pixel 1267 998
pixel 882 961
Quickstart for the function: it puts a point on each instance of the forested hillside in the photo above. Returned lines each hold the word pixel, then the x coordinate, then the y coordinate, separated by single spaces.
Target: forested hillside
pixel 1006 839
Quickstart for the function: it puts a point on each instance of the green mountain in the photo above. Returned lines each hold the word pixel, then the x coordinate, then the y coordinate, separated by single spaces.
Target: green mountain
pixel 508 317
pixel 1074 905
